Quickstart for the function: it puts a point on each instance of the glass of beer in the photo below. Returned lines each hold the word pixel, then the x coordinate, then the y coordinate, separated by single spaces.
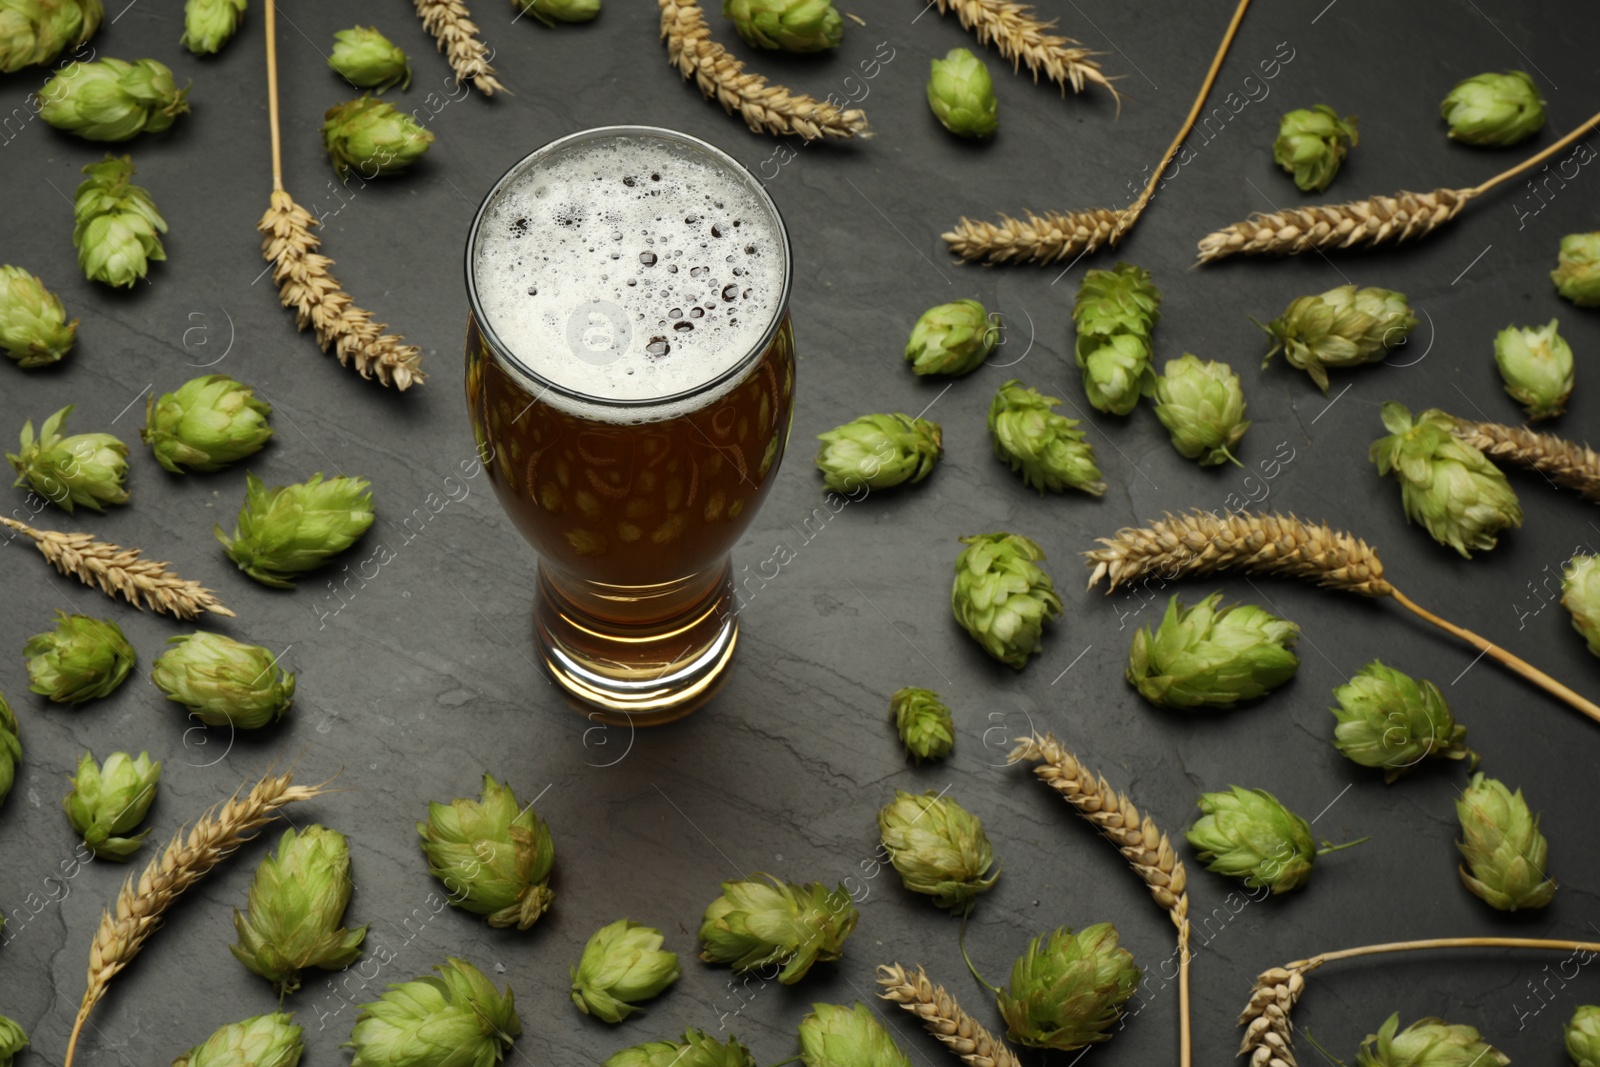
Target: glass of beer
pixel 630 376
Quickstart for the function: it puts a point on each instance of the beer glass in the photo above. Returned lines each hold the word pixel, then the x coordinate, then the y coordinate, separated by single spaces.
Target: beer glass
pixel 630 377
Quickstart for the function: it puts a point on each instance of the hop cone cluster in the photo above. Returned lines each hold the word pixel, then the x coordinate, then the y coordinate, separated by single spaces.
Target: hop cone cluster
pixel 1047 449
pixel 1536 364
pixel 1577 273
pixel 1201 404
pixel 1447 485
pixel 1209 657
pixel 961 94
pixel 454 1020
pixel 108 800
pixel 953 338
pixel 1580 594
pixel 1494 109
pixel 1390 720
pixel 551 12
pixel 622 964
pixel 1503 848
pixel 222 681
pixel 938 847
pixel 13 1039
pixel 297 902
pixel 492 854
pixel 878 451
pixel 1247 834
pixel 84 469
pixel 371 137
pixel 923 722
pixel 287 530
pixel 1583 1036
pixel 755 923
pixel 1428 1043
pixel 833 1035
pixel 1002 597
pixel 1115 312
pixel 1343 327
pixel 697 1049
pixel 116 228
pixel 34 329
pixel 263 1041
pixel 112 99
pixel 210 422
pixel 81 659
pixel 35 31
pixel 210 24
pixel 1067 990
pixel 1312 144
pixel 10 748
pixel 786 25
pixel 368 60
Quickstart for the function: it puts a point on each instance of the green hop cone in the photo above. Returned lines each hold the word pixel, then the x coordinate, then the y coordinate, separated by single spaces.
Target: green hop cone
pixel 1002 597
pixel 878 451
pixel 1505 852
pixel 222 681
pixel 1577 273
pixel 34 329
pixel 10 748
pixel 1448 486
pixel 924 724
pixel 1048 449
pixel 755 923
pixel 786 25
pixel 455 1020
pixel 1343 327
pixel 36 31
pixel 1115 312
pixel 1312 144
pixel 210 24
pixel 1494 109
pixel 1580 595
pixel 13 1039
pixel 938 847
pixel 86 468
pixel 371 137
pixel 1536 364
pixel 1209 657
pixel 961 94
pixel 832 1035
pixel 551 12
pixel 492 854
pixel 210 422
pixel 290 529
pixel 108 800
pixel 1201 404
pixel 1247 834
pixel 262 1041
pixel 112 99
pixel 1583 1036
pixel 297 902
pixel 1428 1043
pixel 1390 720
pixel 697 1049
pixel 368 60
pixel 116 228
pixel 81 659
pixel 1067 990
pixel 953 338
pixel 622 964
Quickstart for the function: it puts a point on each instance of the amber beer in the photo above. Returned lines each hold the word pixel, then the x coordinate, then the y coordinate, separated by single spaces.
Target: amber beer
pixel 630 377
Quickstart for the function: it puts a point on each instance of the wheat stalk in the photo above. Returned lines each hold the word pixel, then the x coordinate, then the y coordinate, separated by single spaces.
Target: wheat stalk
pixel 452 28
pixel 1025 39
pixel 187 858
pixel 942 1017
pixel 765 108
pixel 1569 465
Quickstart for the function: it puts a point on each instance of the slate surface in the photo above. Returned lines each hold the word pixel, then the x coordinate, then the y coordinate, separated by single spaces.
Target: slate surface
pixel 424 680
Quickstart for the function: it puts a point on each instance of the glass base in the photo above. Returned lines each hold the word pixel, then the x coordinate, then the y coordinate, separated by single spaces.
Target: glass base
pixel 665 661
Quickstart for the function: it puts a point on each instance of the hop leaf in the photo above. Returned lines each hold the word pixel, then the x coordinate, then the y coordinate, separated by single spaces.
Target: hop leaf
pixel 938 847
pixel 210 422
pixel 455 1020
pixel 10 748
pixel 290 529
pixel 368 60
pixel 107 801
pixel 1447 485
pixel 1048 449
pixel 1068 989
pixel 953 338
pixel 786 25
pixel 1247 834
pixel 961 94
pixel 1205 656
pixel 1115 312
pixel 550 12
pixel 34 329
pixel 1002 597
pixel 222 681
pixel 112 99
pixel 1343 327
pixel 1428 1043
pixel 371 137
pixel 13 1039
pixel 35 31
pixel 492 854
pixel 1536 364
pixel 753 923
pixel 924 724
pixel 1583 1036
pixel 81 659
pixel 1580 594
pixel 1202 406
pixel 1312 144
pixel 297 901
pixel 262 1041
pixel 697 1049
pixel 210 24
pixel 1504 850
pixel 1577 273
pixel 86 468
pixel 832 1035
pixel 116 228
pixel 878 451
pixel 1494 109
pixel 623 963
pixel 1390 720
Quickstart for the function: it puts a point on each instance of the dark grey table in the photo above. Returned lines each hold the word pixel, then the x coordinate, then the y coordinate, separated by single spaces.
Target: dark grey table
pixel 424 680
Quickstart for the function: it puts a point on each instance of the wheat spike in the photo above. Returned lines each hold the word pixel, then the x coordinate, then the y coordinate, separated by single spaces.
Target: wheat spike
pixel 765 108
pixel 1375 221
pixel 1567 464
pixel 452 28
pixel 1268 1031
pixel 1025 39
pixel 942 1017
pixel 1047 238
